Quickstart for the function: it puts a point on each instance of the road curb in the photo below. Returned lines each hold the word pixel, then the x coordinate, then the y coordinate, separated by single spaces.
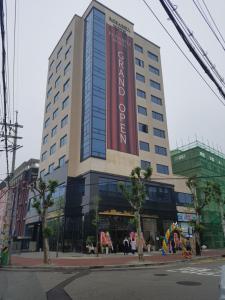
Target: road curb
pixel 49 268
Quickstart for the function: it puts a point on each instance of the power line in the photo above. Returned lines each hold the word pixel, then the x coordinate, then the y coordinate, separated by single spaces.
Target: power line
pixel 199 7
pixel 14 59
pixel 7 60
pixel 4 81
pixel 189 45
pixel 198 47
pixel 213 21
pixel 193 66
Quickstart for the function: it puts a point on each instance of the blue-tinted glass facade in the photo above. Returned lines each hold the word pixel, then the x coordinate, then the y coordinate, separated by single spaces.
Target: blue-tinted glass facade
pixel 93 127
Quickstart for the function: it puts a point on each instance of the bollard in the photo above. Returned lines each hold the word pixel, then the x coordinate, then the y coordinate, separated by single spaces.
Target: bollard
pixel 222 284
pixel 5 256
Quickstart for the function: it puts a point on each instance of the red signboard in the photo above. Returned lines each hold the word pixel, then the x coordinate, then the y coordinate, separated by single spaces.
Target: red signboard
pixel 121 100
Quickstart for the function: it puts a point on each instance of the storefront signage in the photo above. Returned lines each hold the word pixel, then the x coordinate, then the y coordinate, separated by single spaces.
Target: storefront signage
pixel 182 217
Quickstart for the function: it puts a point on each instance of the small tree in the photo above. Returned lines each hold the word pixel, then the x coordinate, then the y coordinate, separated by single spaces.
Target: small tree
pixel 136 194
pixel 59 210
pixel 202 195
pixel 95 221
pixel 42 201
pixel 220 202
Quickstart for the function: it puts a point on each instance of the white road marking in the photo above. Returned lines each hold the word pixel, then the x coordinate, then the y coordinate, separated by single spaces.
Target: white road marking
pixel 197 271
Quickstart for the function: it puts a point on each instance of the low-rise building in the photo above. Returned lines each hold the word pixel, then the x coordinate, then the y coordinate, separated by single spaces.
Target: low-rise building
pixel 198 159
pixel 16 199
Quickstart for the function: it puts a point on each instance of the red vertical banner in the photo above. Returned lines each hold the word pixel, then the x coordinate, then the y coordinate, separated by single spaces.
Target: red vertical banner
pixel 121 100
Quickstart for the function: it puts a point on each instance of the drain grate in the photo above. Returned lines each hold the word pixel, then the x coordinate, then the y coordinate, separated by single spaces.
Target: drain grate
pixel 189 283
pixel 160 274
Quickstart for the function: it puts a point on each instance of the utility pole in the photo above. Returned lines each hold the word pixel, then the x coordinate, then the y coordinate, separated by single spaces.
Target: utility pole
pixel 12 193
pixel 15 144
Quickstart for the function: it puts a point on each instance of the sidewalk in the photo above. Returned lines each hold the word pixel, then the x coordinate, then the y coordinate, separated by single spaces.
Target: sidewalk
pixel 74 260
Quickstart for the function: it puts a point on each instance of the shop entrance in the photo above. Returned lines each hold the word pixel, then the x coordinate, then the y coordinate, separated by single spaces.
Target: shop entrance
pixel 150 231
pixel 118 226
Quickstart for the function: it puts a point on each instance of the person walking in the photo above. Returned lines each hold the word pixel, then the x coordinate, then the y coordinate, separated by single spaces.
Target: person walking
pixel 125 246
pixel 133 246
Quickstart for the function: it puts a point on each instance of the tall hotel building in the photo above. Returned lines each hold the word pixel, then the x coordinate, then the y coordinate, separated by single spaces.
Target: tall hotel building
pixel 104 115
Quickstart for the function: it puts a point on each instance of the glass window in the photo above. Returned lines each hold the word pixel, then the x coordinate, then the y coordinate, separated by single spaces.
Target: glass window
pixel 51 168
pixel 49 92
pixel 160 150
pixel 55 114
pixel 145 164
pixel 65 102
pixel 48 107
pixel 57 82
pixel 62 161
pixel 51 64
pixel 56 97
pixel 157 116
pixel 156 100
pixel 49 78
pixel 68 37
pixel 153 70
pixel 59 52
pixel 159 132
pixel 153 56
pixel 44 156
pixel 45 139
pixel 42 173
pixel 67 68
pixel 162 169
pixel 141 93
pixel 143 127
pixel 64 121
pixel 63 140
pixel 138 48
pixel 140 77
pixel 67 53
pixel 54 131
pixel 142 110
pixel 139 62
pixel 58 67
pixel 93 127
pixel 183 198
pixel 202 154
pixel 52 149
pixel 155 85
pixel 66 85
pixel 144 146
pixel 47 122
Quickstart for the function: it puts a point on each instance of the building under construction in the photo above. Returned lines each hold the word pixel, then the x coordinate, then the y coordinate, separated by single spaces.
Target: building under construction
pixel 203 161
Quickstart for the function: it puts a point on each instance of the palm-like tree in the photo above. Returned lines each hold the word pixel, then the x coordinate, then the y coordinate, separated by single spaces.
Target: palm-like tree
pixel 136 194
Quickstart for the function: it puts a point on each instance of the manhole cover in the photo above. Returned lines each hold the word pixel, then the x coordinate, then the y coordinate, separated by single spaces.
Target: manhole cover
pixel 190 283
pixel 161 274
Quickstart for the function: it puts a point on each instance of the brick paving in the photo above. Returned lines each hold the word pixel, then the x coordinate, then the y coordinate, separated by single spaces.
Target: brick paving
pixel 19 260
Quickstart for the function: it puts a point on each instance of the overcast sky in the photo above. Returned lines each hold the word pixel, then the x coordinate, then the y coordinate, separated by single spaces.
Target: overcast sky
pixel 192 109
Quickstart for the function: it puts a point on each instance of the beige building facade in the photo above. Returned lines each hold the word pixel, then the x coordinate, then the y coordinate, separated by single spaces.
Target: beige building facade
pixel 104 115
pixel 64 105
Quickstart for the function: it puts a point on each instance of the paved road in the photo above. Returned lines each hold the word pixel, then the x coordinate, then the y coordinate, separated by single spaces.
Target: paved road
pixel 187 281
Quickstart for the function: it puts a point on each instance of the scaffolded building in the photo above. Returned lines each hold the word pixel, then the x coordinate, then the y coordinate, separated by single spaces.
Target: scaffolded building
pixel 203 161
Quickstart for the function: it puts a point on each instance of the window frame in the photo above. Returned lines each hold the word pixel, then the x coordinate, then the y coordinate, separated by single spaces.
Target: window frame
pixel 138 48
pixel 159 118
pixel 153 56
pixel 52 149
pixel 155 85
pixel 140 77
pixel 146 144
pixel 140 92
